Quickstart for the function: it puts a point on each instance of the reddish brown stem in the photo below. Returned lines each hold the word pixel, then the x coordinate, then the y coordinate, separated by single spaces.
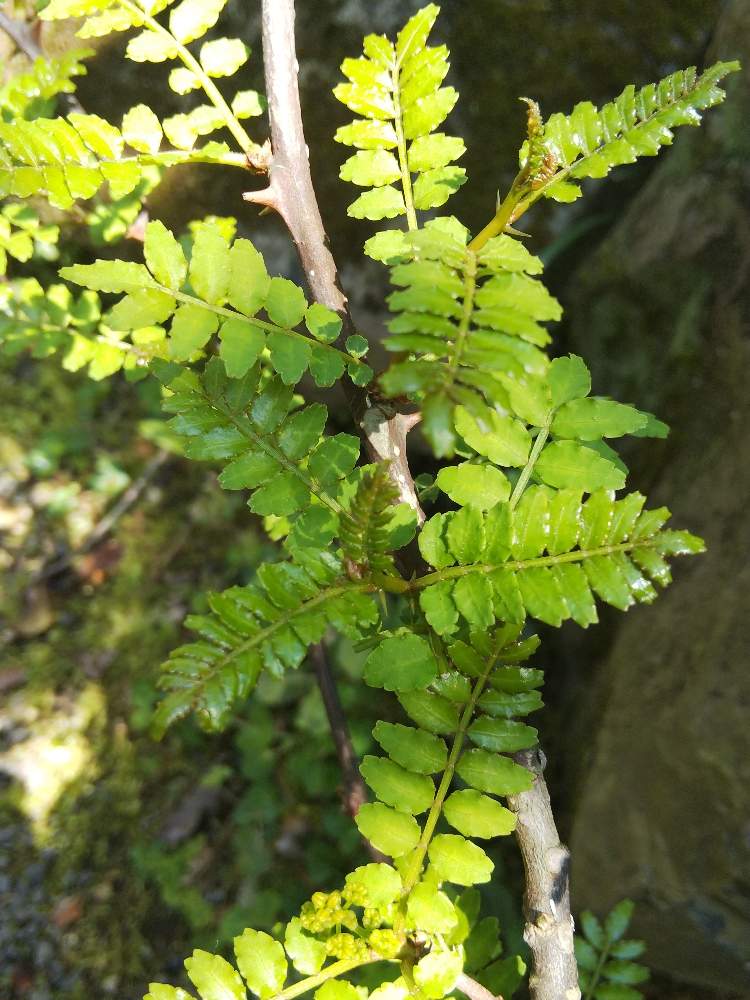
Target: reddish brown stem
pixel 290 192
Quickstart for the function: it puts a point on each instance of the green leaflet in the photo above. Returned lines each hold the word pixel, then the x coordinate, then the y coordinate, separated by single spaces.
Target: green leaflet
pixel 590 142
pixel 376 524
pixel 546 559
pixel 214 977
pixel 457 860
pixel 467 321
pixel 401 663
pixel 264 626
pixel 395 89
pixel 222 288
pixel 390 831
pixel 411 748
pixel 480 485
pixel 261 961
pixel 30 94
pixel 22 234
pixel 265 444
pixel 306 953
pixel 52 319
pixel 430 711
pixel 476 815
pixel 397 787
pixel 160 991
pixel 436 973
pixel 490 772
pixel 569 465
pixel 604 956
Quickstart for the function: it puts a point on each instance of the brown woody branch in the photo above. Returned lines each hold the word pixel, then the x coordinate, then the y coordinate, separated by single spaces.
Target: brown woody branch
pixel 549 930
pixel 290 192
pixel 548 927
pixel 474 990
pixel 354 792
pixel 353 788
pixel 24 37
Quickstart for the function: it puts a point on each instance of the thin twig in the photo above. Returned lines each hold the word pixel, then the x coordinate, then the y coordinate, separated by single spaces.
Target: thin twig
pixel 548 929
pixel 128 499
pixel 354 790
pixel 474 990
pixel 23 35
pixel 290 192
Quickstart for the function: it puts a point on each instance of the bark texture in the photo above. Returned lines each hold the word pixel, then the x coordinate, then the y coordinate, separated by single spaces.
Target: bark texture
pixel 548 929
pixel 664 796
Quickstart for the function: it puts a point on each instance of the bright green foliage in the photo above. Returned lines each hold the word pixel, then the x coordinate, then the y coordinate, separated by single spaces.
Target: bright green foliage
pixel 470 322
pixel 605 957
pixel 401 159
pixel 22 235
pixel 267 625
pixel 537 531
pixel 475 668
pixel 547 558
pixel 250 425
pixel 70 158
pixel 31 94
pixel 367 534
pixel 221 291
pixel 188 22
pixel 590 142
pixel 53 319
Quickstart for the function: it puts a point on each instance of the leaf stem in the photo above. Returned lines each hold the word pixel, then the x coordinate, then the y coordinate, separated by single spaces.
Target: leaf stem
pixel 213 93
pixel 403 160
pixel 192 300
pixel 523 479
pixel 504 215
pixel 597 973
pixel 331 972
pixel 470 284
pixel 259 637
pixel 278 456
pixel 417 859
pixel 396 586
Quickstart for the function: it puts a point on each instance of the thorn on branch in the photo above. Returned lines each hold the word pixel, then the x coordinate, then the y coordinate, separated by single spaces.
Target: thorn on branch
pixel 268 198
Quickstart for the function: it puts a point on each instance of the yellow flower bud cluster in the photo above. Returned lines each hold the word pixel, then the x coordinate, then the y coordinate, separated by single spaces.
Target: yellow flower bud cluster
pixel 347 946
pixel 385 942
pixel 325 911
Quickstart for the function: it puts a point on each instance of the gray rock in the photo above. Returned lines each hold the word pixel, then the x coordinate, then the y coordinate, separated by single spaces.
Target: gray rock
pixel 663 807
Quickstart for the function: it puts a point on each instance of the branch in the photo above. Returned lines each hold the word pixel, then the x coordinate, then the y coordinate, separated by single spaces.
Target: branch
pixel 290 193
pixel 474 990
pixel 354 791
pixel 128 499
pixel 549 928
pixel 549 925
pixel 23 36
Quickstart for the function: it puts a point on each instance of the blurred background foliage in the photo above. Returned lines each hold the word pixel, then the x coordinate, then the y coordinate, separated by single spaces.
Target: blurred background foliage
pixel 118 855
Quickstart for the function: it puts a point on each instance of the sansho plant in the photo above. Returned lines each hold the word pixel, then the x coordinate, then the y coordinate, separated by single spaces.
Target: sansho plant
pixel 535 521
